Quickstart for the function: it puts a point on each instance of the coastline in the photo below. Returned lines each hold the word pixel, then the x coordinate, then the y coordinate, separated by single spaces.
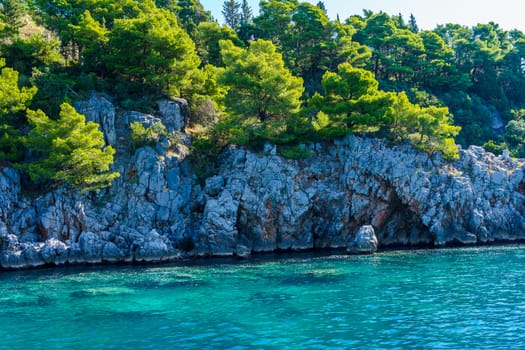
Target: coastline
pixel 159 210
pixel 261 257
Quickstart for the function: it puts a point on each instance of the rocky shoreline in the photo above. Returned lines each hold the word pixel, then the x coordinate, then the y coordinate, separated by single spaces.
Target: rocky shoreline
pixel 260 202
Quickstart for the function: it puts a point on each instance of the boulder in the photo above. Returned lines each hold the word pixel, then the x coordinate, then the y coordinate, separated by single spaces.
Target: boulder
pixel 365 241
pixel 147 120
pixel 153 247
pixel 112 253
pixel 54 251
pixel 91 247
pixel 174 113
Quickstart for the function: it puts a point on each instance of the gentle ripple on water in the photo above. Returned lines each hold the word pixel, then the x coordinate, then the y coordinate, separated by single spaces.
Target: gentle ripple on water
pixel 445 299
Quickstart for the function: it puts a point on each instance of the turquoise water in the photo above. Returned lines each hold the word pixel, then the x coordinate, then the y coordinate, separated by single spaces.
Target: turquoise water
pixel 470 298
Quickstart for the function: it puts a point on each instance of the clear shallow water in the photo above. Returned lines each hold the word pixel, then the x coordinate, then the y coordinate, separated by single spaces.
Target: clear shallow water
pixel 471 298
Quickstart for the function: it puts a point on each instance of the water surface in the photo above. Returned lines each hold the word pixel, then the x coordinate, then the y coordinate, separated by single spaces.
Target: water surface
pixel 464 298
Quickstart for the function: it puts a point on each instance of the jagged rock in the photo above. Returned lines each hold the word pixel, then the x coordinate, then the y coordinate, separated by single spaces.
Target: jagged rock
pixel 174 113
pixel 112 253
pixel 10 188
pixel 163 145
pixel 90 247
pixel 54 251
pixel 147 120
pixel 154 247
pixel 219 228
pixel 365 241
pixel 409 197
pixel 101 111
pixel 12 259
pixel 259 202
pixel 32 255
pixel 214 185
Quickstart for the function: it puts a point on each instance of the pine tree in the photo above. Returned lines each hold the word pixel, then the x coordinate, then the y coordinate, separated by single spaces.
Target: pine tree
pixel 263 98
pixel 12 12
pixel 13 103
pixel 246 13
pixel 322 6
pixel 152 51
pixel 412 24
pixel 232 16
pixel 260 85
pixel 69 151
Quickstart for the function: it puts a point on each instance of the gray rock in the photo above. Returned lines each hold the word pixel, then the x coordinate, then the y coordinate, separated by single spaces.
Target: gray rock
pixel 54 251
pixel 32 255
pixel 12 259
pixel 214 185
pixel 147 120
pixel 112 253
pixel 365 241
pixel 163 145
pixel 98 109
pixel 153 247
pixel 219 231
pixel 242 251
pixel 91 247
pixel 174 113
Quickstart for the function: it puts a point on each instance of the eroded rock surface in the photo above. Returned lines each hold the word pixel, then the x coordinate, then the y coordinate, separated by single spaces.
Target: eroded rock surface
pixel 261 202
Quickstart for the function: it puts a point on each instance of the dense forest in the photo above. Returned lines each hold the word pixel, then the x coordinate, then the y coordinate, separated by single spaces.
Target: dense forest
pixel 288 76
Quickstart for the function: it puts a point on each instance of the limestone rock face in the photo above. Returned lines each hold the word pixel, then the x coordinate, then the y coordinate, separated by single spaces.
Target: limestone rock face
pixel 100 110
pixel 365 241
pixel 174 113
pixel 355 193
pixel 409 197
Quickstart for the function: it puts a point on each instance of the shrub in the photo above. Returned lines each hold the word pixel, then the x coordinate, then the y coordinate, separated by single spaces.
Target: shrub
pixel 295 152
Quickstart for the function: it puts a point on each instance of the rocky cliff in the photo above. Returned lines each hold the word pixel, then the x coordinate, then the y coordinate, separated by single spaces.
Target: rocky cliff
pixel 260 202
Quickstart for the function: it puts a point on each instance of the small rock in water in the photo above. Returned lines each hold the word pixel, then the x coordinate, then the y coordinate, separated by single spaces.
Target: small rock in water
pixel 243 251
pixel 365 241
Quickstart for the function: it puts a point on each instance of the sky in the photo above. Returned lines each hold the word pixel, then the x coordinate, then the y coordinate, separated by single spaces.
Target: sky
pixel 509 14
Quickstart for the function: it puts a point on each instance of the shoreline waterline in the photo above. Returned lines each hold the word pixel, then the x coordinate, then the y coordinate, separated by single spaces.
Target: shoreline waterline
pixel 257 257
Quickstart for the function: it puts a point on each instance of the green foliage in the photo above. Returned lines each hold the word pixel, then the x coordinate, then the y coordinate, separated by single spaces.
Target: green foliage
pixel 496 148
pixel 246 13
pixel 92 38
pixel 24 55
pixel 64 16
pixel 429 129
pixel 353 102
pixel 204 153
pixel 53 89
pixel 13 104
pixel 515 137
pixel 259 84
pixel 231 14
pixel 68 151
pixel 11 13
pixel 190 13
pixel 142 136
pixel 373 73
pixel 208 36
pixel 146 136
pixel 295 152
pixel 151 51
pixel 262 93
